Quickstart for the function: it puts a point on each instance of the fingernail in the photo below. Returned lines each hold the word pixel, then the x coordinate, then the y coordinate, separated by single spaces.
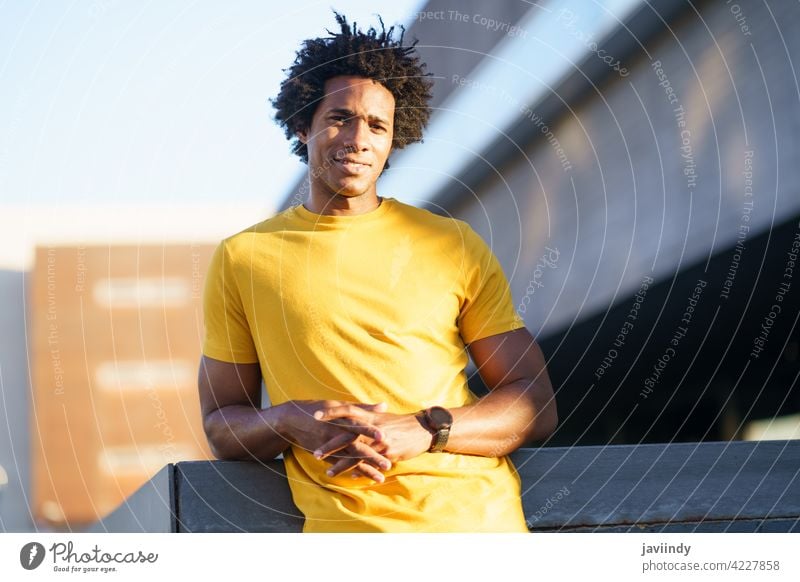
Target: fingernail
pixel 318 454
pixel 318 414
pixel 386 465
pixel 329 473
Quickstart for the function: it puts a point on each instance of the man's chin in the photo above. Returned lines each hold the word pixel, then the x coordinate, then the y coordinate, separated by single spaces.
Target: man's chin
pixel 352 190
pixel 350 194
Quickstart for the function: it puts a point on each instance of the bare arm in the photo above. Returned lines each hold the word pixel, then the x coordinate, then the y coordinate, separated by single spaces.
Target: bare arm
pixel 238 428
pixel 521 406
pixel 230 402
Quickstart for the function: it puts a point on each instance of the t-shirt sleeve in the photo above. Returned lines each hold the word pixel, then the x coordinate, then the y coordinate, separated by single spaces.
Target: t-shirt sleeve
pixel 227 335
pixel 488 308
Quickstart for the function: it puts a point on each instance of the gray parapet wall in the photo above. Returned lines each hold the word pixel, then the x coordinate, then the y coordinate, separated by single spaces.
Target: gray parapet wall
pixel 682 487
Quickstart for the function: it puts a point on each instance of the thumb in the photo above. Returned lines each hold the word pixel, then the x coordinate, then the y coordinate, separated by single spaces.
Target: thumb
pixel 379 407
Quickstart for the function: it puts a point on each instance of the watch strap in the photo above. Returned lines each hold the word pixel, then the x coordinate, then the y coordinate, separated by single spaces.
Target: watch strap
pixel 439 440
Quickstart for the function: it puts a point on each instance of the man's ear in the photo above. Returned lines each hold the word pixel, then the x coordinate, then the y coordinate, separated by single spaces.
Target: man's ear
pixel 302 135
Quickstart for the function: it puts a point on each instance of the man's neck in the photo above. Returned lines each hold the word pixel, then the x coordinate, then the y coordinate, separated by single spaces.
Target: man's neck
pixel 338 205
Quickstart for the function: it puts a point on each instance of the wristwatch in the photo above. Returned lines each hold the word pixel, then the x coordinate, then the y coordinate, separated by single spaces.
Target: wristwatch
pixel 438 421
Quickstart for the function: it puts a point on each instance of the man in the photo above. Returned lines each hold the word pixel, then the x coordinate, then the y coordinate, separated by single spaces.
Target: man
pixel 357 310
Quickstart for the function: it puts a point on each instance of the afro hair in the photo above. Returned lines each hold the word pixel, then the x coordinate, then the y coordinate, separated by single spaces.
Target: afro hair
pixel 352 52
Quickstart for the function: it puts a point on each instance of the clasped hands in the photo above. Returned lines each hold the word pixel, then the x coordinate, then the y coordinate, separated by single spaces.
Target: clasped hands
pixel 362 438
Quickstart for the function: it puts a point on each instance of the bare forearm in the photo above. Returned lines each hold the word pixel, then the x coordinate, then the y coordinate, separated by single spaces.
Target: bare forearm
pixel 505 419
pixel 245 433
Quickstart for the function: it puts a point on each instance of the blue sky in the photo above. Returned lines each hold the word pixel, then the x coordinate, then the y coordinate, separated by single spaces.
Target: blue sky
pixel 119 101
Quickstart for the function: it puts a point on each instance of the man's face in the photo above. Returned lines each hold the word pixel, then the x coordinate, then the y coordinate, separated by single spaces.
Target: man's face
pixel 350 137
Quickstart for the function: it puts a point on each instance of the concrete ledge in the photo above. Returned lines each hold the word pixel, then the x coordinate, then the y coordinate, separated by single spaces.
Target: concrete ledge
pixel 685 487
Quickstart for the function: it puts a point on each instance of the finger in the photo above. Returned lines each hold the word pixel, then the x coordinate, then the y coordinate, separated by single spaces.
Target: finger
pixel 343 411
pixel 368 471
pixel 350 410
pixel 341 466
pixel 379 407
pixel 356 426
pixel 334 445
pixel 360 469
pixel 357 472
pixel 359 452
pixel 368 455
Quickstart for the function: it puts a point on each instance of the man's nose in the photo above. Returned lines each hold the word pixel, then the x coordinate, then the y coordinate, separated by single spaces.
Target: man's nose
pixel 357 135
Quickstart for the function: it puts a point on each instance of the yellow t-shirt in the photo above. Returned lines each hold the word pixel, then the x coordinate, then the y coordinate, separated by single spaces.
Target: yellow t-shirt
pixel 370 308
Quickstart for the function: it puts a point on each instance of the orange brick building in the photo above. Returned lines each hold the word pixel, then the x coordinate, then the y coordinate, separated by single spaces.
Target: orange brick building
pixel 114 342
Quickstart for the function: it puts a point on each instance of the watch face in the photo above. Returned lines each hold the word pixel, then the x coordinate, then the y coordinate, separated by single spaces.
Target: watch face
pixel 440 417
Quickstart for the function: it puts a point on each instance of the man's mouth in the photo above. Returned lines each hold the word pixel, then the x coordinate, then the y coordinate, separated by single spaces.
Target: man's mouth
pixel 351 166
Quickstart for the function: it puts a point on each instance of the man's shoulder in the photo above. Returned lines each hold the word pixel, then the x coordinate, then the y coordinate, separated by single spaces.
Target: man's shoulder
pixel 427 218
pixel 245 238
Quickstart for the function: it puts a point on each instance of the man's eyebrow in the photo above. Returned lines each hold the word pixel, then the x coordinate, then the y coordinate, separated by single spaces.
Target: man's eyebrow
pixel 351 113
pixel 341 111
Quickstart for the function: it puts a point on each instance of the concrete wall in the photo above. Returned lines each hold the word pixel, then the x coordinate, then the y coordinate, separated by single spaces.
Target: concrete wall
pixel 626 207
